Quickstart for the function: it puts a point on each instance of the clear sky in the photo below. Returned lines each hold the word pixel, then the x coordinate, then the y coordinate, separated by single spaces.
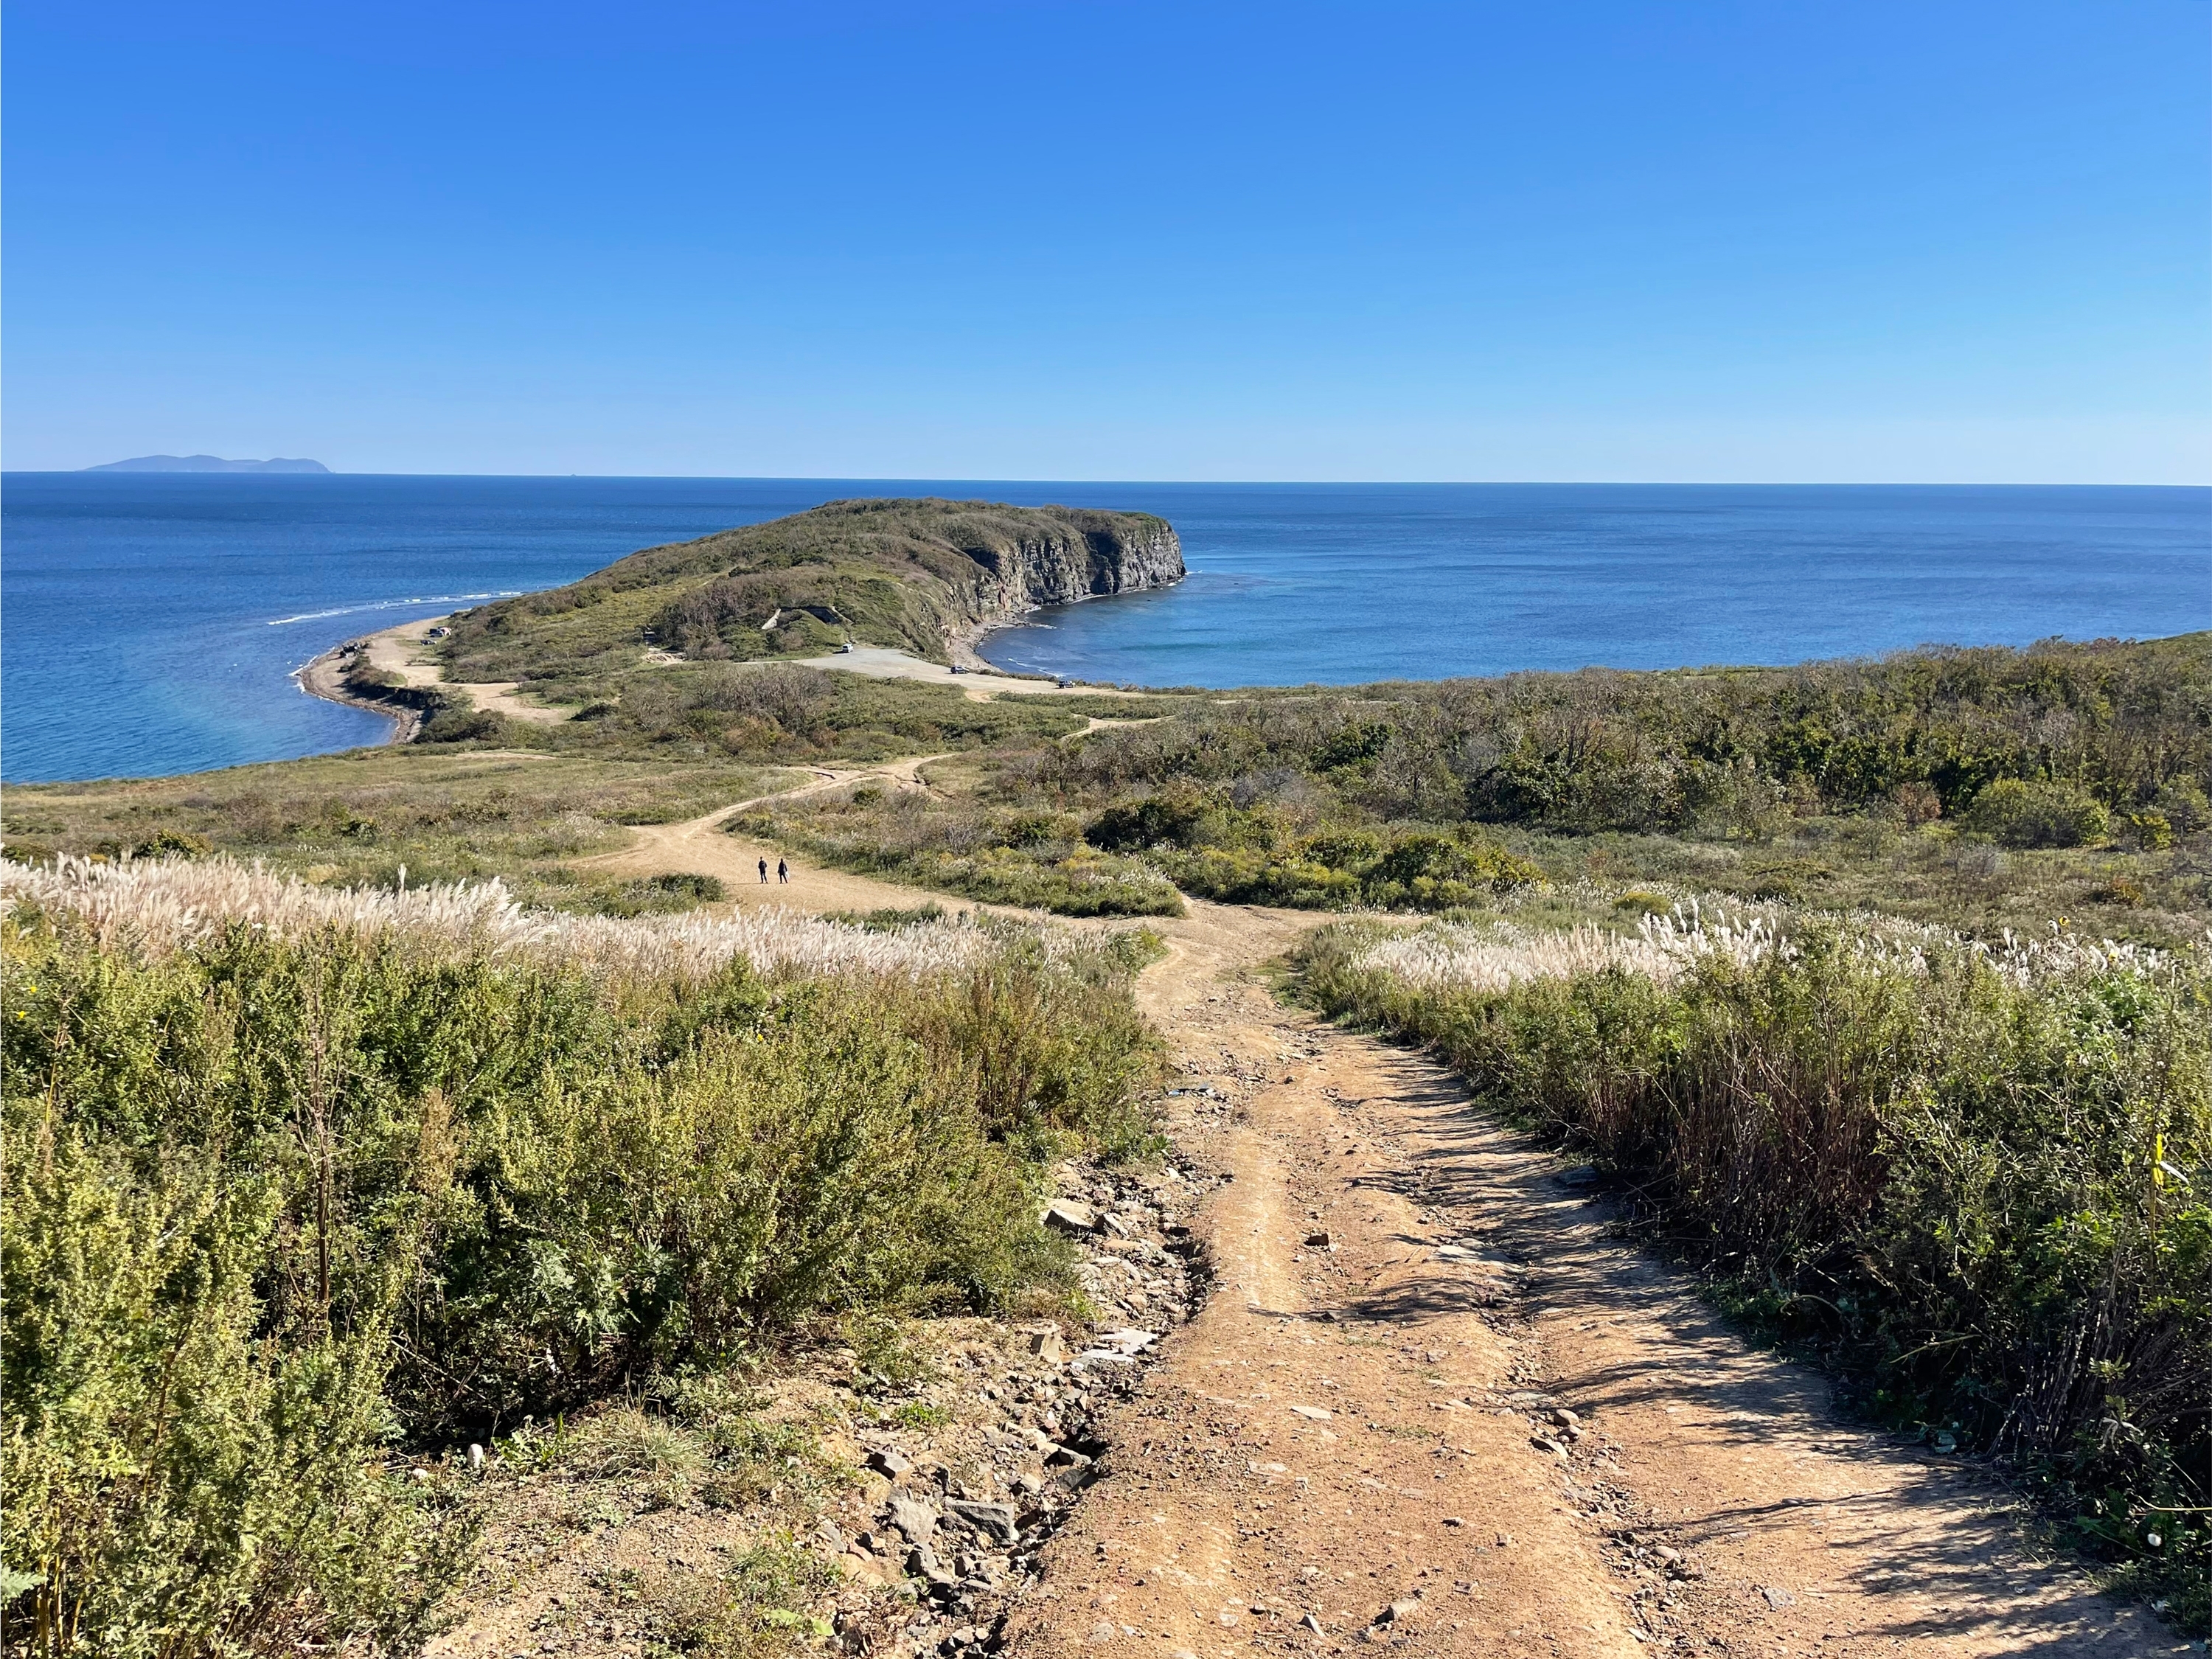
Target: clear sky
pixel 1939 240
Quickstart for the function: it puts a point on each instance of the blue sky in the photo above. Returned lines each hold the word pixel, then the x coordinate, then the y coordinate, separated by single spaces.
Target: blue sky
pixel 1760 241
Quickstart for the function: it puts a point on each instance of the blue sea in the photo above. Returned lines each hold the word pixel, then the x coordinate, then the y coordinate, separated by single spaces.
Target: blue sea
pixel 150 622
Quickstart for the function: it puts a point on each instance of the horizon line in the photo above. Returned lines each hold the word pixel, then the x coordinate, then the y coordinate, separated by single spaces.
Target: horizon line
pixel 103 470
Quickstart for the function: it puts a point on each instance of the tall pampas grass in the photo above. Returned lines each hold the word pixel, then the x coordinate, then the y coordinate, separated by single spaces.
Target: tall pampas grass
pixel 1499 956
pixel 156 906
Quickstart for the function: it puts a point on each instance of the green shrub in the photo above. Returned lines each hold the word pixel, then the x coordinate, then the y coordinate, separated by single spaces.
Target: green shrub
pixel 179 843
pixel 1137 825
pixel 2049 813
pixel 1419 870
pixel 280 1203
pixel 2183 804
pixel 187 1455
pixel 647 895
pixel 2152 830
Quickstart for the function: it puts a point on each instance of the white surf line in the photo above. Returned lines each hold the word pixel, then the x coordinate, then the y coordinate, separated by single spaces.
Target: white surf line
pixel 393 605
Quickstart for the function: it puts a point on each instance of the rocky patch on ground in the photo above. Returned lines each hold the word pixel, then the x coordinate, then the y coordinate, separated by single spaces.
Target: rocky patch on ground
pixel 895 1514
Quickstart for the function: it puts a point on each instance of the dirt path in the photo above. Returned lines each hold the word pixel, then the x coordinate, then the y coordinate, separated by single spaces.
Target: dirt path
pixel 977 679
pixel 701 846
pixel 1430 1403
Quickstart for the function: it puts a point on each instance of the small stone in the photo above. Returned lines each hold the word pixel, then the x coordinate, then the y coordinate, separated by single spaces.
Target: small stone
pixel 1311 1624
pixel 1048 1347
pixel 1777 1597
pixel 1566 1419
pixel 915 1520
pixel 1506 1540
pixel 994 1520
pixel 476 1459
pixel 1316 1413
pixel 1317 1240
pixel 1399 1610
pixel 889 1463
pixel 1454 1520
pixel 1070 1217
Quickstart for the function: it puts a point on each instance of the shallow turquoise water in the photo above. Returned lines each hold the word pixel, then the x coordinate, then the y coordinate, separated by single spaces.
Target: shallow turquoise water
pixel 150 622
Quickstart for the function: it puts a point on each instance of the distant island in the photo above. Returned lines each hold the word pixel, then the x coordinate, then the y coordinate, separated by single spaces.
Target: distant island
pixel 206 464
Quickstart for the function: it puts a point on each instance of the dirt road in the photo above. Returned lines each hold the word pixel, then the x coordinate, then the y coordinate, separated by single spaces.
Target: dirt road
pixel 1431 1404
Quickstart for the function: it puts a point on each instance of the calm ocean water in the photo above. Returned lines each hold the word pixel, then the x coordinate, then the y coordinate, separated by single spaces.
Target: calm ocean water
pixel 150 622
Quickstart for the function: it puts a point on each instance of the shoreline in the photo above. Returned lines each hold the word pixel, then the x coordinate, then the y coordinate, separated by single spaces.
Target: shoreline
pixel 963 644
pixel 324 676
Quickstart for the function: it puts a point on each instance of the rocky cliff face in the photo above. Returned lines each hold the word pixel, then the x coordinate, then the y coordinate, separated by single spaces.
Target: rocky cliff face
pixel 1093 555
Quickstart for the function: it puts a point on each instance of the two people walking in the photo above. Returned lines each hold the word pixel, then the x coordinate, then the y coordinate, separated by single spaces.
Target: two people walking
pixel 782 872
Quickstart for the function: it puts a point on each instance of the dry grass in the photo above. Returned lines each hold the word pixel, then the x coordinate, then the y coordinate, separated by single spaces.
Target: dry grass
pixel 1496 956
pixel 159 906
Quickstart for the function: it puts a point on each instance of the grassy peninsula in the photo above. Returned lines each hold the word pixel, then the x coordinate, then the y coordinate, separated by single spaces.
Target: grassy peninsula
pixel 925 576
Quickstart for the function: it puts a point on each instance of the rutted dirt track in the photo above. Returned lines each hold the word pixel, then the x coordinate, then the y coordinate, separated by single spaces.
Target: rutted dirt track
pixel 1431 1405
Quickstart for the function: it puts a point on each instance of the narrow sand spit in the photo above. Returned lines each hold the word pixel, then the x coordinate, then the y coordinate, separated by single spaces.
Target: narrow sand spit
pixel 402 651
pixel 1432 1404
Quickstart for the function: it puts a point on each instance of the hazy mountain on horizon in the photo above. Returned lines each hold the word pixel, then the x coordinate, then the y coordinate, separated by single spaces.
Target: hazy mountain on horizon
pixel 206 464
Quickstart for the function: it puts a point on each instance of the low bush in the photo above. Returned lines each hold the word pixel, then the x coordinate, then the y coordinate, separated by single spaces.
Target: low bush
pixel 1035 859
pixel 647 895
pixel 290 1191
pixel 1257 855
pixel 2047 813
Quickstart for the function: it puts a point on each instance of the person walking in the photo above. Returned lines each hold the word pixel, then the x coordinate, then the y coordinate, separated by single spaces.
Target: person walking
pixel 783 873
pixel 763 872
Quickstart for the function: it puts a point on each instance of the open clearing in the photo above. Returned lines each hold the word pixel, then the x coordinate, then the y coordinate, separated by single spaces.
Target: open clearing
pixel 1432 1403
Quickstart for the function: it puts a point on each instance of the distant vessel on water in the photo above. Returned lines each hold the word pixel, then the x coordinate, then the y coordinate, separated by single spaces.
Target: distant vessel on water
pixel 206 464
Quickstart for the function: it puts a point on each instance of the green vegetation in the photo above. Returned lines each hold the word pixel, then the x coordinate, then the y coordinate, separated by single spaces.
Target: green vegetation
pixel 1731 752
pixel 1981 1187
pixel 960 845
pixel 905 573
pixel 355 819
pixel 1985 789
pixel 291 1209
pixel 282 1204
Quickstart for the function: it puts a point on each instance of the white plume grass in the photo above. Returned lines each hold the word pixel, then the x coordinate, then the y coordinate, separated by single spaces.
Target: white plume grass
pixel 1497 955
pixel 158 906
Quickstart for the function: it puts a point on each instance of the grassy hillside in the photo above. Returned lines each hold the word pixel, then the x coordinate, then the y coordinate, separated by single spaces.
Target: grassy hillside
pixel 912 575
pixel 1983 789
pixel 461 1178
